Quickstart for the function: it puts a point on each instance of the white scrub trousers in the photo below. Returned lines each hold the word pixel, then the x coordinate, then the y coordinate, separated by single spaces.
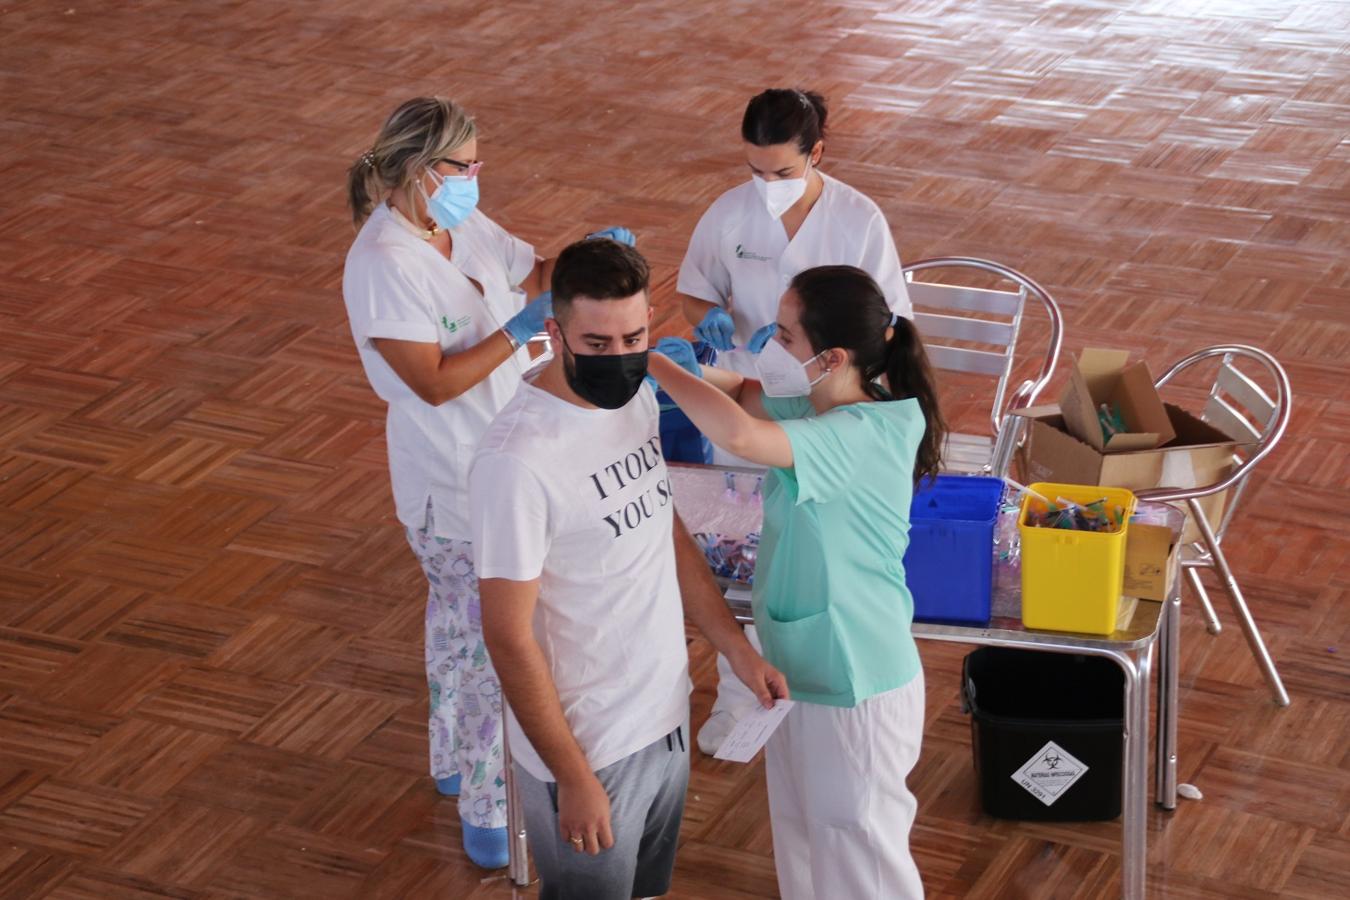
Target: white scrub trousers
pixel 838 802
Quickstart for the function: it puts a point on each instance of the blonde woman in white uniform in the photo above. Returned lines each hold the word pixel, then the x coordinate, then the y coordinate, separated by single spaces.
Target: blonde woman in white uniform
pixel 788 217
pixel 436 297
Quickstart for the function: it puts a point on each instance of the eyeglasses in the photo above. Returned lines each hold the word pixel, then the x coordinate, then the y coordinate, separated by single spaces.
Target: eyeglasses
pixel 466 169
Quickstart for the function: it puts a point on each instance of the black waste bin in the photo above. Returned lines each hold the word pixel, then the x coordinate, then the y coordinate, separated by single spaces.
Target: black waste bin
pixel 1047 730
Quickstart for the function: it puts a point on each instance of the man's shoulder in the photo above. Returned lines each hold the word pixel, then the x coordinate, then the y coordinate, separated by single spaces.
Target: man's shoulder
pixel 526 431
pixel 509 430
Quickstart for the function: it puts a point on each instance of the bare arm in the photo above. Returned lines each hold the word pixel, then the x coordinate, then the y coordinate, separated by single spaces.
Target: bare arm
pixel 694 309
pixel 540 278
pixel 437 377
pixel 745 391
pixel 721 418
pixel 706 608
pixel 508 613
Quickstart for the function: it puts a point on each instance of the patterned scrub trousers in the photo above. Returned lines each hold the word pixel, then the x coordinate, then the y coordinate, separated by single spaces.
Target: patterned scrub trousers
pixel 465 721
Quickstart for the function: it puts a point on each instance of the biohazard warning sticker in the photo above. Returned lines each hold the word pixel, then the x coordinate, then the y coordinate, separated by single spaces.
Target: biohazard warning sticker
pixel 1048 774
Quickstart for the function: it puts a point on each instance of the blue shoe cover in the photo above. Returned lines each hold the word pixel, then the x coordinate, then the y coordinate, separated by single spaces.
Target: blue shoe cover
pixel 487 847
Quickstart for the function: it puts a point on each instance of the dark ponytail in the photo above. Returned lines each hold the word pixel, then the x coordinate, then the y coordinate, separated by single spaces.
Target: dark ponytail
pixel 843 307
pixel 779 116
pixel 909 374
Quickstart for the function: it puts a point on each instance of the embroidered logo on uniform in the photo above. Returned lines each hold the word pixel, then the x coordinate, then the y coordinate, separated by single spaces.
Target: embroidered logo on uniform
pixel 742 253
pixel 458 324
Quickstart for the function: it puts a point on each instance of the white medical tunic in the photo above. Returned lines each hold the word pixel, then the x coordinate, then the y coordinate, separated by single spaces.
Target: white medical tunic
pixel 741 259
pixel 397 286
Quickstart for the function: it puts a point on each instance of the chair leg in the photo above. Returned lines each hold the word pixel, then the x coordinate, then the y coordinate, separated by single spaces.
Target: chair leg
pixel 517 848
pixel 1212 624
pixel 1249 629
pixel 1010 438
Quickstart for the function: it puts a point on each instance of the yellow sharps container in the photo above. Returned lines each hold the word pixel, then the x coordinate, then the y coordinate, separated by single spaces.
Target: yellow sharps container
pixel 1071 580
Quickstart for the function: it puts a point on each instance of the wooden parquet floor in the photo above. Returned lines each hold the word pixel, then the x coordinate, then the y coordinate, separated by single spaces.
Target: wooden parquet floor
pixel 210 623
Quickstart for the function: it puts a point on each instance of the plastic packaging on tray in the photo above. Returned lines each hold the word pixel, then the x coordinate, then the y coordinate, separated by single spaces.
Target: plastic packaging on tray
pixel 1007 587
pixel 722 506
pixel 730 557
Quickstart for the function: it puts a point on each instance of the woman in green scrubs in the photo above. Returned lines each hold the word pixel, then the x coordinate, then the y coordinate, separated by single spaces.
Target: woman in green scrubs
pixel 830 600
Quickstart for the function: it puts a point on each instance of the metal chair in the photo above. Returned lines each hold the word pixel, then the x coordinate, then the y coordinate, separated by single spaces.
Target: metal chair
pixel 989 317
pixel 1242 409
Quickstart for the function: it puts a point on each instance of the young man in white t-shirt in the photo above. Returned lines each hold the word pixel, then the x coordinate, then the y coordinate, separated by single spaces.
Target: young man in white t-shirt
pixel 586 575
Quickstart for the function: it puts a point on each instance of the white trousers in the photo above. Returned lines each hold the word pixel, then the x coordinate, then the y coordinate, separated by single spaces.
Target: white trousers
pixel 838 801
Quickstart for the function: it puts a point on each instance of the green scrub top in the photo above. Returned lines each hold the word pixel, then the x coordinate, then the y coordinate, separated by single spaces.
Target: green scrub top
pixel 830 601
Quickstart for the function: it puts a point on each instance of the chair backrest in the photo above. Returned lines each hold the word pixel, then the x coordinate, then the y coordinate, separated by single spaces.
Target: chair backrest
pixel 984 316
pixel 1239 407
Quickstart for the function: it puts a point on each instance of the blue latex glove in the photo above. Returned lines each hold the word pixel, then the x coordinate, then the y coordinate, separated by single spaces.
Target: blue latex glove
pixel 716 329
pixel 530 320
pixel 680 352
pixel 761 337
pixel 615 233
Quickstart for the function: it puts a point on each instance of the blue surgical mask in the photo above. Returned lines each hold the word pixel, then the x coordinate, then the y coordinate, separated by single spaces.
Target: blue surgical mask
pixel 454 199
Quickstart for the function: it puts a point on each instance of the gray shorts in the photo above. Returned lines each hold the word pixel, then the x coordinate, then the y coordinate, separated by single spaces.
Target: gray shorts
pixel 646 798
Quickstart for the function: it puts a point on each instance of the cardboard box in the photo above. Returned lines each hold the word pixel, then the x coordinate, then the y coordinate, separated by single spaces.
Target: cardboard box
pixel 1198 455
pixel 1107 376
pixel 1152 562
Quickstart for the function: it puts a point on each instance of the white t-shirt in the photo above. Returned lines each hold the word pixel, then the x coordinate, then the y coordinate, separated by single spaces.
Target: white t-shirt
pixel 580 499
pixel 397 286
pixel 740 258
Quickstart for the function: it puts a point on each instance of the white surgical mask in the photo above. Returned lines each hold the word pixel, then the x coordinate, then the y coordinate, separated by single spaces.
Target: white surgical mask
pixel 778 196
pixel 781 374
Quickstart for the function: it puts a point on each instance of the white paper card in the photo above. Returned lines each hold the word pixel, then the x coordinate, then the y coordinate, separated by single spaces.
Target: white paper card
pixel 1048 774
pixel 752 732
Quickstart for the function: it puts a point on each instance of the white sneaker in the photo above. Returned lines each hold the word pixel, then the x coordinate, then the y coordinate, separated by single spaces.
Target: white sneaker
pixel 715 731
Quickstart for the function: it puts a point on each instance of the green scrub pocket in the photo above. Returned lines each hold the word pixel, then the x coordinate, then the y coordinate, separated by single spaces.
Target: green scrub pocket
pixel 808 652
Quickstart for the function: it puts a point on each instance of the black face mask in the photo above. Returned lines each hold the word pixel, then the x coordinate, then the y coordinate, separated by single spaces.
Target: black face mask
pixel 609 381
